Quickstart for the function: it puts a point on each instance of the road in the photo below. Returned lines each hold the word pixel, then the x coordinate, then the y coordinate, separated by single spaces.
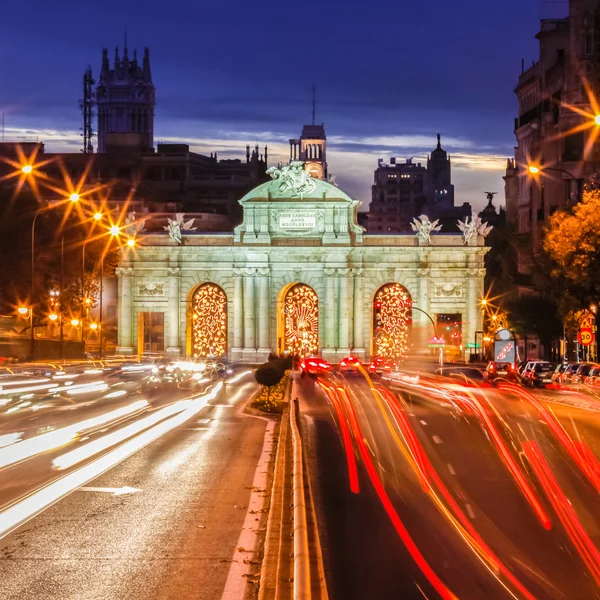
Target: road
pixel 160 513
pixel 457 491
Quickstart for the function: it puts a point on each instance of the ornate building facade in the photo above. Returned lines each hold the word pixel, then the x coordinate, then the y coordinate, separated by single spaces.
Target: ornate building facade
pixel 298 275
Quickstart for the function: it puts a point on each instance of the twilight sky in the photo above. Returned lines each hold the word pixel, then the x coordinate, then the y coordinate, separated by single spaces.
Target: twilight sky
pixel 389 76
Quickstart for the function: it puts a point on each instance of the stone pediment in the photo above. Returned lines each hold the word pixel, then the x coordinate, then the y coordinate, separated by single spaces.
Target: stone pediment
pixel 294 205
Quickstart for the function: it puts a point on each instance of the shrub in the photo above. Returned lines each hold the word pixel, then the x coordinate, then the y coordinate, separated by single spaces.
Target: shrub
pixel 271 399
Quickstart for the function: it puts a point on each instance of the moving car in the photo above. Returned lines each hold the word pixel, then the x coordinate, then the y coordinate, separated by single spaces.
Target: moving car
pixel 350 365
pixel 314 365
pixel 500 370
pixel 557 376
pixel 380 365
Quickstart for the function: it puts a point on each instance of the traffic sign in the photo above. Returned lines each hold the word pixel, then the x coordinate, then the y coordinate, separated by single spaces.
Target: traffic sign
pixel 585 337
pixel 586 323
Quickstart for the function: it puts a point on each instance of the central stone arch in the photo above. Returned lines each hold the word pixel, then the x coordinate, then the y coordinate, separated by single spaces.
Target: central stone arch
pixel 298 320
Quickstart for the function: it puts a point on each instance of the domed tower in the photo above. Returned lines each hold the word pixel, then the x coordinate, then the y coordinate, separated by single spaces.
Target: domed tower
pixel 125 97
pixel 441 190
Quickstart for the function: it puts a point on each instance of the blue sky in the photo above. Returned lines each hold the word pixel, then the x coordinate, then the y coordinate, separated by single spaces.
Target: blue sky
pixel 389 76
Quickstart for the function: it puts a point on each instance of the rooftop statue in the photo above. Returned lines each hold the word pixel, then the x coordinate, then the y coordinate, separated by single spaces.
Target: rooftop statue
pixel 177 225
pixel 133 226
pixel 473 228
pixel 293 178
pixel 424 227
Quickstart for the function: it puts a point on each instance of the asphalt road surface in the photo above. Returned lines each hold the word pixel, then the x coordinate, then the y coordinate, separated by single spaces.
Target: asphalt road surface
pixel 153 512
pixel 426 488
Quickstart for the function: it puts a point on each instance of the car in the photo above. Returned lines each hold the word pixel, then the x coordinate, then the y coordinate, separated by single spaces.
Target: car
pixel 500 370
pixel 525 372
pixel 350 365
pixel 380 365
pixel 582 372
pixel 567 376
pixel 540 374
pixel 593 377
pixel 558 373
pixel 314 365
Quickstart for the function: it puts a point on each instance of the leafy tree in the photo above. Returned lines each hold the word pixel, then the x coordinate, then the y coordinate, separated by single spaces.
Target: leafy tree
pixel 572 243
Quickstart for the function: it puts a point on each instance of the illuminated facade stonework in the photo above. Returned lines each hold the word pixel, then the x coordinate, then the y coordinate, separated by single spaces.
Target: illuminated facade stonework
pixel 237 295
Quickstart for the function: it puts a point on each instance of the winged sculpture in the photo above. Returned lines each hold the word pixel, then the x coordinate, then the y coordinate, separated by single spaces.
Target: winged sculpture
pixel 473 227
pixel 423 227
pixel 177 225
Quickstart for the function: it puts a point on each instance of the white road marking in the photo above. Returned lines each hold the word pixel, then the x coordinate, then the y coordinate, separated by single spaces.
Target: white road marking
pixel 451 469
pixel 222 405
pixel 114 491
pixel 203 421
pixel 470 511
pixel 437 439
pixel 196 428
pixel 423 422
pixel 235 586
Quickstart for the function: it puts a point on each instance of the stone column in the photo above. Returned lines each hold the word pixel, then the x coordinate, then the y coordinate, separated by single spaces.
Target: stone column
pixel 473 309
pixel 329 325
pixel 359 316
pixel 264 337
pixel 249 318
pixel 344 314
pixel 238 312
pixel 173 342
pixel 125 307
pixel 425 327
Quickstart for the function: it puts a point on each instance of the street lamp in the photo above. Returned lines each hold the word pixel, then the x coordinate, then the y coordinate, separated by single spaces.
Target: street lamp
pixel 74 197
pixel 23 310
pixel 597 119
pixel 26 169
pixel 98 216
pixel 53 317
pixel 75 322
pixel 131 242
pixel 536 170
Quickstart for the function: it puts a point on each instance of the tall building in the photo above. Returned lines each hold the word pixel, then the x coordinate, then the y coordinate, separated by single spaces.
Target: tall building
pixel 402 191
pixel 439 173
pixel 125 98
pixel 311 148
pixel 552 130
pixel 398 194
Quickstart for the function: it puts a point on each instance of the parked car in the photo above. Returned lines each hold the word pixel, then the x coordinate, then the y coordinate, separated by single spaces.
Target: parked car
pixel 350 365
pixel 530 366
pixel 567 376
pixel 558 373
pixel 582 372
pixel 380 365
pixel 593 377
pixel 314 365
pixel 540 375
pixel 500 370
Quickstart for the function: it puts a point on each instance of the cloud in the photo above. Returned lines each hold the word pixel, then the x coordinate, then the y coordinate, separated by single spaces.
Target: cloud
pixel 352 160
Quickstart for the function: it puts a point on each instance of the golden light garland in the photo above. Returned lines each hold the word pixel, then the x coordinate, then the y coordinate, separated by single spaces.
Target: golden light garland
pixel 209 322
pixel 392 318
pixel 301 312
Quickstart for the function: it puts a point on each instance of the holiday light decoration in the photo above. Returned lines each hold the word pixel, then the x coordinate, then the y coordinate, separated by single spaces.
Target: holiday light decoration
pixel 209 322
pixel 301 312
pixel 392 317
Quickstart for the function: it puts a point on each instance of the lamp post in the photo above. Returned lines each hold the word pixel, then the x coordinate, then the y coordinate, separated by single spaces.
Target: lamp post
pixel 535 170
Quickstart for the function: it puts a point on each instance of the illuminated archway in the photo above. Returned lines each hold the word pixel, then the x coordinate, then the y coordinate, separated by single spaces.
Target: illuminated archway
pixel 209 321
pixel 300 320
pixel 392 321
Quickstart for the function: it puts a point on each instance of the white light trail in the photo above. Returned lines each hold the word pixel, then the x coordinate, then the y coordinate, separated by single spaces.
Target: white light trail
pixel 27 448
pixel 20 512
pixel 238 377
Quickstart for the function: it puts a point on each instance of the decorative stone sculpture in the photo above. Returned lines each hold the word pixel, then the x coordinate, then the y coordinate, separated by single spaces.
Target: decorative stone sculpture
pixel 133 227
pixel 177 225
pixel 423 227
pixel 293 178
pixel 473 228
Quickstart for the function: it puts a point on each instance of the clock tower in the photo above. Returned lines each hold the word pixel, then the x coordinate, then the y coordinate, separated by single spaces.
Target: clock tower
pixel 125 98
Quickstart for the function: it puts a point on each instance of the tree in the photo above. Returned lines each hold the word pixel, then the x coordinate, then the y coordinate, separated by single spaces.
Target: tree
pixel 572 243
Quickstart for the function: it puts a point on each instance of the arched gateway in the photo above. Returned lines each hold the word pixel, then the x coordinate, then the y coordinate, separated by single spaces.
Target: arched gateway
pixel 209 322
pixel 297 228
pixel 300 320
pixel 392 321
